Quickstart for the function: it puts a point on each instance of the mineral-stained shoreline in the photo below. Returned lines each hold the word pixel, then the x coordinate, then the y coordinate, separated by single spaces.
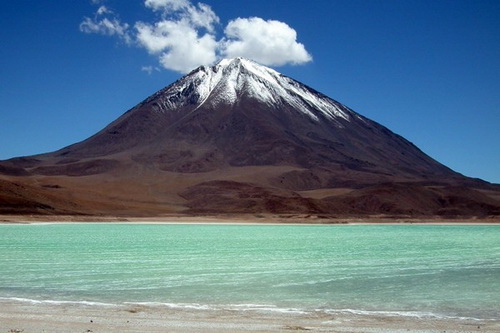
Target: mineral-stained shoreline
pixel 249 218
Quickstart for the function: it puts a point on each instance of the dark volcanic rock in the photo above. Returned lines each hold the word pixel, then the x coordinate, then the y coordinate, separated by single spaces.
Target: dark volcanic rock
pixel 240 137
pixel 240 114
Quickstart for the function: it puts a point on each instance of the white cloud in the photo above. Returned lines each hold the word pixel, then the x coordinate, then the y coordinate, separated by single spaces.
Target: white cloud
pixel 183 39
pixel 103 10
pixel 203 16
pixel 153 38
pixel 200 16
pixel 189 52
pixel 104 26
pixel 184 36
pixel 166 4
pixel 268 42
pixel 149 69
pixel 178 44
pixel 105 23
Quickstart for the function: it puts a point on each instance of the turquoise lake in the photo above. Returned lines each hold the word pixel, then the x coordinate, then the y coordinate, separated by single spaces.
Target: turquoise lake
pixel 423 270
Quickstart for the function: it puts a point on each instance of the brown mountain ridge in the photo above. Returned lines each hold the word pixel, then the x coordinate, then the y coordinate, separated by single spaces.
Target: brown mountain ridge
pixel 241 138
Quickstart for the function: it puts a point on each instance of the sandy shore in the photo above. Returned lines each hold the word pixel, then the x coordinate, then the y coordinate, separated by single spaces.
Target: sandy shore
pixel 28 317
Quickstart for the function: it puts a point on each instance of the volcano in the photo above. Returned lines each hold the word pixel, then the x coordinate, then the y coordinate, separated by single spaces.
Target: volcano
pixel 241 138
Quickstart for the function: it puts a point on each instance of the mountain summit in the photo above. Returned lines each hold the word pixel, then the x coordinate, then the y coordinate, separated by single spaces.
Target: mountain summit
pixel 239 113
pixel 238 137
pixel 232 80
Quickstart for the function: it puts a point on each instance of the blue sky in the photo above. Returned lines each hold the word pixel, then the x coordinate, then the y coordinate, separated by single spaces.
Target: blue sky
pixel 427 70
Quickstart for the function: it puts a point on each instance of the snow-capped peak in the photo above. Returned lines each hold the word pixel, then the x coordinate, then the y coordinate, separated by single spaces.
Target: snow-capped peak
pixel 231 79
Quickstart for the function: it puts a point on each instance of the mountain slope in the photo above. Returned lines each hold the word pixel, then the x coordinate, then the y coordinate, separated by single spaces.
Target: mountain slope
pixel 235 128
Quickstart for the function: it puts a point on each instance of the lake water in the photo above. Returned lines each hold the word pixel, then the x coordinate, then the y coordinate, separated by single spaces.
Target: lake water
pixel 415 270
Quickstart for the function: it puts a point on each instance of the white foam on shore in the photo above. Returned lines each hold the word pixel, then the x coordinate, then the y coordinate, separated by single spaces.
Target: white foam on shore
pixel 264 308
pixel 55 302
pixel 179 306
pixel 414 314
pixel 269 308
pixel 260 308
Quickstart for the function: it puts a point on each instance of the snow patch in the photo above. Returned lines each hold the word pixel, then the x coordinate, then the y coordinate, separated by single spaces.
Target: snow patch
pixel 230 79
